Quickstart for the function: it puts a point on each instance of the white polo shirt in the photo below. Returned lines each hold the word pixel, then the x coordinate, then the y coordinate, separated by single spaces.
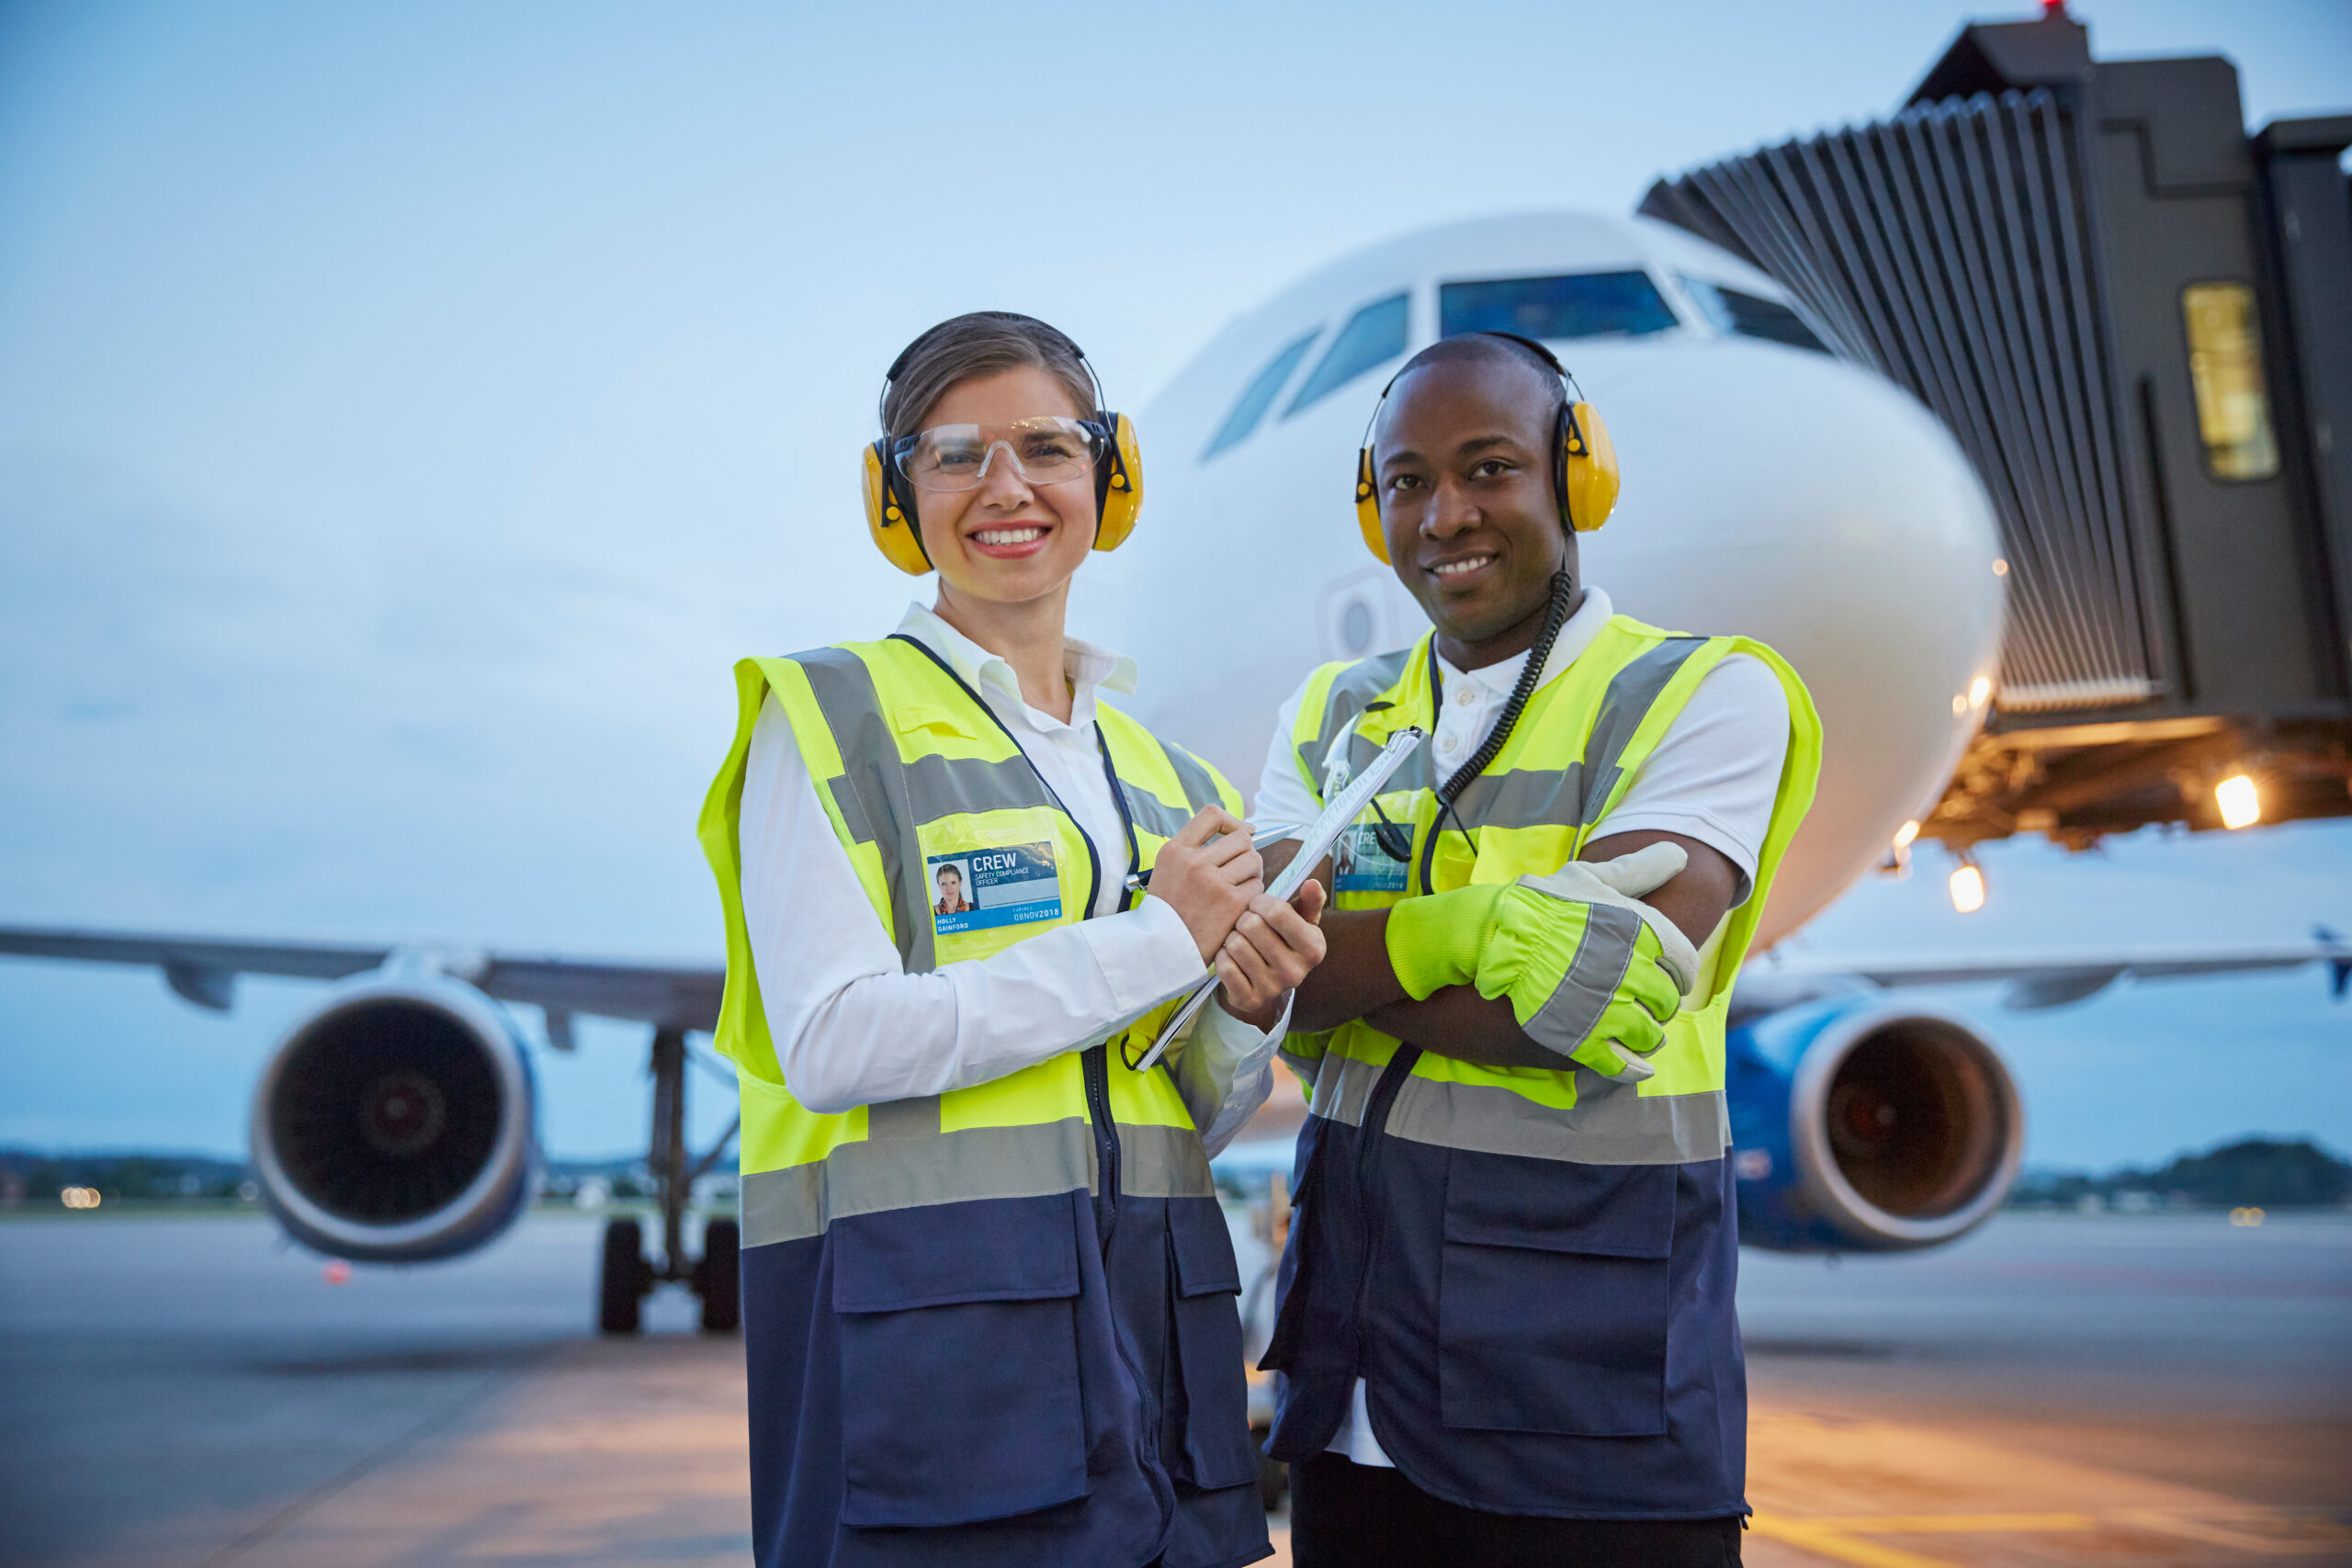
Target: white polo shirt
pixel 851 1027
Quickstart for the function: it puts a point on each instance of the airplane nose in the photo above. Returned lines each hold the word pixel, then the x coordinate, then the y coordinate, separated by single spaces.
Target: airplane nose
pixel 1818 508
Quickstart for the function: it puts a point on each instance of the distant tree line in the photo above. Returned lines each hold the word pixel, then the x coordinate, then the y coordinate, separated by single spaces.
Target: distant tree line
pixel 27 1176
pixel 2253 1172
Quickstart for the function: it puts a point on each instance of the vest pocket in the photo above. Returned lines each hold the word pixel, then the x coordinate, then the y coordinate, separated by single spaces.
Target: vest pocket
pixel 1554 1296
pixel 960 1367
pixel 1216 1447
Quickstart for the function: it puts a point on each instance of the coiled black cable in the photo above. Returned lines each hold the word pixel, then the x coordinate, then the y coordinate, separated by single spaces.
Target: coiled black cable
pixel 1555 616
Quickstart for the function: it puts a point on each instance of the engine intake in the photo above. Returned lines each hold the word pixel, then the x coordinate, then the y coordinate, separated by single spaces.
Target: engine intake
pixel 1905 1127
pixel 394 1124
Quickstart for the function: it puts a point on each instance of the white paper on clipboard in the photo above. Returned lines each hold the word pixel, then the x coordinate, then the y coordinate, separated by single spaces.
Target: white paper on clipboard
pixel 1314 844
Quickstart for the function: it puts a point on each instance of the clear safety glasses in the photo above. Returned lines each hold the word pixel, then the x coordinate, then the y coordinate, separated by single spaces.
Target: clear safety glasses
pixel 1045 450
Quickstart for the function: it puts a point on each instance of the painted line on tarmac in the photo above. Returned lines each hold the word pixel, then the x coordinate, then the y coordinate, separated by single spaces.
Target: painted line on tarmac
pixel 1828 1540
pixel 2262 1532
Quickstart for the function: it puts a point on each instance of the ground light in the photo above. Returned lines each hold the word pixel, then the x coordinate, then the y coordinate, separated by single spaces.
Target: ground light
pixel 1967 887
pixel 2240 802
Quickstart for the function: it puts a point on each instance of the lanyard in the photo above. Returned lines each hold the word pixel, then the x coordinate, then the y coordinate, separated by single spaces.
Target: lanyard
pixel 1093 861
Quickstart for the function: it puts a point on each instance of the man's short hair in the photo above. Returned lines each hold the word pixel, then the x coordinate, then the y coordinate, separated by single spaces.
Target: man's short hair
pixel 1487 347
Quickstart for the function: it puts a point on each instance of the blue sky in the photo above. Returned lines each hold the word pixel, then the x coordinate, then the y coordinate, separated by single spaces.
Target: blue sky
pixel 407 411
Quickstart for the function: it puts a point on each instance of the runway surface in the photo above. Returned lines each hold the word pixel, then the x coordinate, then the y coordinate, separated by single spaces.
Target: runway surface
pixel 2152 1390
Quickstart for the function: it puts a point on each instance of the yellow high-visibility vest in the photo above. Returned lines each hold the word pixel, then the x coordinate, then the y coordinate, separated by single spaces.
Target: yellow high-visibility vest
pixel 914 773
pixel 1568 761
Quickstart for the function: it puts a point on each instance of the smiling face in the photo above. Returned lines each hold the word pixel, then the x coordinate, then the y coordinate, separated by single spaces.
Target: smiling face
pixel 1463 466
pixel 1007 541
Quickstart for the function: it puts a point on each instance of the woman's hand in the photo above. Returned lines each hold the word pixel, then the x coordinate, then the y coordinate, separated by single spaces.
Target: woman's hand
pixel 1271 948
pixel 1206 879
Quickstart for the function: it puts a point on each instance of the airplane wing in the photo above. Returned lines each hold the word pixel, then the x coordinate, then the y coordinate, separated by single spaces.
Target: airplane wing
pixel 2051 979
pixel 204 970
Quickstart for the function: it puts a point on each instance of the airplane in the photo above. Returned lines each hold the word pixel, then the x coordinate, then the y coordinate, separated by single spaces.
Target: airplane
pixel 1771 489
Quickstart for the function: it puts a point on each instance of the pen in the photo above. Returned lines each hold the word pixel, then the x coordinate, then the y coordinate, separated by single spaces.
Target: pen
pixel 1257 841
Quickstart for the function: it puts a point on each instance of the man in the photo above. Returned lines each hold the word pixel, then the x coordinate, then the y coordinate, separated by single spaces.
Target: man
pixel 1507 1322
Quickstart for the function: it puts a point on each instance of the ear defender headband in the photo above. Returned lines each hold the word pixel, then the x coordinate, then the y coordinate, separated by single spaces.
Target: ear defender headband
pixel 1584 461
pixel 889 498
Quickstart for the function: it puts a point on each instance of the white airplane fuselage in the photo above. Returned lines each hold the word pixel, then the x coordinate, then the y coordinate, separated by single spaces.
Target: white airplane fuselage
pixel 1770 490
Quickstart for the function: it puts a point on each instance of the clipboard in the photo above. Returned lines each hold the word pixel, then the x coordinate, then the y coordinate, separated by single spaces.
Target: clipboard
pixel 1314 844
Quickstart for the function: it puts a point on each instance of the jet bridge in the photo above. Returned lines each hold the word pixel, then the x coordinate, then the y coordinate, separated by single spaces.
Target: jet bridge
pixel 2136 319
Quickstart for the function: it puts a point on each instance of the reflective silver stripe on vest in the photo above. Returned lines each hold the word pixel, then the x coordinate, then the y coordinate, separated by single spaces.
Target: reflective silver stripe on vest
pixel 1304 1067
pixel 1415 773
pixel 1342 1087
pixel 1199 787
pixel 883 798
pixel 1351 690
pixel 869 792
pixel 909 1170
pixel 1573 796
pixel 901 1166
pixel 1604 953
pixel 1610 1123
pixel 1163 1162
pixel 1151 814
pixel 1632 693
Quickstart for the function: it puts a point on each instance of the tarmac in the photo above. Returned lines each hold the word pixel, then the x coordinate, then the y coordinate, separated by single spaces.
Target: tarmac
pixel 2154 1389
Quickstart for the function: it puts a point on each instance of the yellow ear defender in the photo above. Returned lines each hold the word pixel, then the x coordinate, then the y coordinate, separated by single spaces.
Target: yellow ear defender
pixel 1118 481
pixel 1584 461
pixel 888 518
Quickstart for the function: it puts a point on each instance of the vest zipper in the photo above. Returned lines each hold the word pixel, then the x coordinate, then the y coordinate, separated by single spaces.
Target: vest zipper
pixel 1094 1061
pixel 1098 1058
pixel 1370 1136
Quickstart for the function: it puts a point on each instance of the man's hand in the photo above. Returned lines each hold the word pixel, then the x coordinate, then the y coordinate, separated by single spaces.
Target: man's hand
pixel 1207 879
pixel 1272 948
pixel 1593 973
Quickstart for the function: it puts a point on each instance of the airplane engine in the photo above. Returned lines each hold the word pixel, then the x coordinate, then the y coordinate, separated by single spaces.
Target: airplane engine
pixel 395 1123
pixel 1864 1124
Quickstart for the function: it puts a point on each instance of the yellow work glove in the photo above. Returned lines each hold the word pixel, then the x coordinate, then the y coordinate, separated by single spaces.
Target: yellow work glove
pixel 1433 942
pixel 1592 971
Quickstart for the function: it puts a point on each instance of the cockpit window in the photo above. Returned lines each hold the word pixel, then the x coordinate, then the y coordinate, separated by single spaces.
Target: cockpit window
pixel 1583 304
pixel 1258 396
pixel 1373 336
pixel 1749 316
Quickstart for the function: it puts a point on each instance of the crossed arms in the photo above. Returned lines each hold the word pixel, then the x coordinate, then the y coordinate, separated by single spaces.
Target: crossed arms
pixel 1356 979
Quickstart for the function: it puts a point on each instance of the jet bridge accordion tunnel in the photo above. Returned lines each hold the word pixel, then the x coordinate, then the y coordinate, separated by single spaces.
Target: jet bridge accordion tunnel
pixel 2137 322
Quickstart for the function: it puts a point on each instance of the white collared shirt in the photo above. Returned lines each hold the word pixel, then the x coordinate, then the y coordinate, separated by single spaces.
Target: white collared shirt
pixel 1714 777
pixel 851 1027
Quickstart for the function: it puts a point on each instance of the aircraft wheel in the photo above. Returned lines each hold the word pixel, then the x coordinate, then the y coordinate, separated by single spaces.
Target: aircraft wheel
pixel 624 1277
pixel 718 1278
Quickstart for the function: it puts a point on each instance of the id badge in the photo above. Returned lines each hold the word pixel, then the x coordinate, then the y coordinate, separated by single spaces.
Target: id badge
pixel 1360 865
pixel 977 890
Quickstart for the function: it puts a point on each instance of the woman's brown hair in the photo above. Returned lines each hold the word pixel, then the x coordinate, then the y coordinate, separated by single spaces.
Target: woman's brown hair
pixel 979 343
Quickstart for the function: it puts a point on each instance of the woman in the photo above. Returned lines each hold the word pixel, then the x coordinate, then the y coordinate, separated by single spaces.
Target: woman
pixel 988 1296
